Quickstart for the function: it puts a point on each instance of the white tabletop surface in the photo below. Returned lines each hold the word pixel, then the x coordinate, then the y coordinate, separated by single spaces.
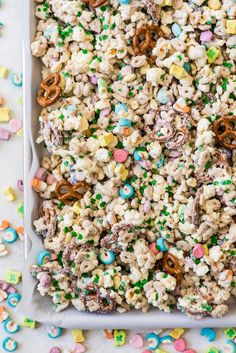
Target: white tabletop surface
pixel 11 169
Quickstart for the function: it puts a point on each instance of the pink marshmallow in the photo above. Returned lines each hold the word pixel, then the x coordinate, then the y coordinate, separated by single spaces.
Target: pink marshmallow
pixel 105 112
pixel 120 155
pixel 198 251
pixel 4 134
pixel 41 174
pixel 51 179
pixel 15 125
pixel 153 248
pixel 206 36
pixel 180 345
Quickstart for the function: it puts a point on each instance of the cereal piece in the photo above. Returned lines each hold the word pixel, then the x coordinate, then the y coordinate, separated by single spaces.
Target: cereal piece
pixel 78 336
pixel 10 194
pixel 13 277
pixel 213 53
pixel 15 125
pixel 153 341
pixel 119 338
pixel 9 344
pixel 4 134
pixel 177 333
pixel 107 257
pixel 29 323
pixel 229 346
pixel 210 333
pixel 136 341
pixel 13 299
pixel 4 72
pixel 17 79
pixel 167 339
pixel 3 250
pixel 4 115
pixel 127 191
pixel 10 327
pixel 43 257
pixel 3 314
pixel 230 332
pixel 10 235
pixel 54 332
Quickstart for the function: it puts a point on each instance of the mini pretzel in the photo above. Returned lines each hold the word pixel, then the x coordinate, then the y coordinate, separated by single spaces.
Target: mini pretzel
pixel 94 3
pixel 174 269
pixel 148 43
pixel 69 193
pixel 225 132
pixel 49 91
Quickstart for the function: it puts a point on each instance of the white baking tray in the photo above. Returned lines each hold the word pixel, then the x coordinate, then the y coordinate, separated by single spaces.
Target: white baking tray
pixel 40 308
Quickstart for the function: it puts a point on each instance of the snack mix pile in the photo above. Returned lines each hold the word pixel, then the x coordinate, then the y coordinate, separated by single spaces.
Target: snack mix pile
pixel 139 178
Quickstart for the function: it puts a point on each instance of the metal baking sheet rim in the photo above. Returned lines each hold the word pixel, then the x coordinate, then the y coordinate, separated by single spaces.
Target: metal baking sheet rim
pixel 33 305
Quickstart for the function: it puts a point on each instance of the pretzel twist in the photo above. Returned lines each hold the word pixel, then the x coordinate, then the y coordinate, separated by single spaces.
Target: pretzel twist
pixel 49 91
pixel 225 132
pixel 94 3
pixel 174 268
pixel 68 193
pixel 143 46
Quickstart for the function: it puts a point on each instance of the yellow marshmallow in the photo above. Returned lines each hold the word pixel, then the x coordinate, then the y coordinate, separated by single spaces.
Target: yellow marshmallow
pixel 231 26
pixel 78 336
pixel 13 277
pixel 3 72
pixel 177 71
pixel 76 208
pixel 4 115
pixel 10 194
pixel 214 4
pixel 106 139
pixel 206 250
pixel 177 333
pixel 158 350
pixel 167 3
pixel 19 133
pixel 122 172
